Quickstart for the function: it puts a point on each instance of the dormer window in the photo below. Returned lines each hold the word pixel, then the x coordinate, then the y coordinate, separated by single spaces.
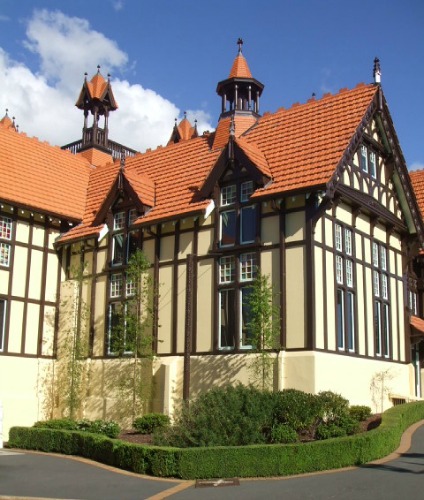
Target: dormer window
pixel 237 216
pixel 124 241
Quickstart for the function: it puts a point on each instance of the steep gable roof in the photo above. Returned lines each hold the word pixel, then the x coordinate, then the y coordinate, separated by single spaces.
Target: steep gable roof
pixel 417 180
pixel 41 177
pixel 304 144
pixel 101 193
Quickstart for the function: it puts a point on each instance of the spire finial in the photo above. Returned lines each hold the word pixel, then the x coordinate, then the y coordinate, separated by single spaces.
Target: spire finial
pixel 122 162
pixel 377 71
pixel 232 127
pixel 185 114
pixel 108 77
pixel 240 45
pixel 7 111
pixel 98 68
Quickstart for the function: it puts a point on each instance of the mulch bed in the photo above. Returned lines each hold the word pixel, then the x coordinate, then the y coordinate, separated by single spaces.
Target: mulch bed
pixel 132 436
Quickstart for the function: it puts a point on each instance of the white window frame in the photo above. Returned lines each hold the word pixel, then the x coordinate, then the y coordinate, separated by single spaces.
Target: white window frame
pixel 228 195
pixel 5 228
pixel 227 269
pixel 5 250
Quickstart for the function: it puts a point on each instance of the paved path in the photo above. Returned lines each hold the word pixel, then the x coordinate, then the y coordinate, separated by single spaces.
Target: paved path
pixel 33 475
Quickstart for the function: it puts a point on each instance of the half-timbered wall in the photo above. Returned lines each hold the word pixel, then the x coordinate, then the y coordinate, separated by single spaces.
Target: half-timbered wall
pixel 29 276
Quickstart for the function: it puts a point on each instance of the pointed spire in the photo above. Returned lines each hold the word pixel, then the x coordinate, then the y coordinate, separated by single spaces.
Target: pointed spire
pixel 377 71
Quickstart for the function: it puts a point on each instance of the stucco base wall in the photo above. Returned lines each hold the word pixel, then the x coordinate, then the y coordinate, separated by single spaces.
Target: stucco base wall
pixel 362 381
pixel 25 391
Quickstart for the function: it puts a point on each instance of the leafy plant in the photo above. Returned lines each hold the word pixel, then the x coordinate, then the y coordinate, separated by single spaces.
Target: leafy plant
pixel 104 427
pixel 132 342
pixel 150 422
pixel 282 433
pixel 263 326
pixel 360 412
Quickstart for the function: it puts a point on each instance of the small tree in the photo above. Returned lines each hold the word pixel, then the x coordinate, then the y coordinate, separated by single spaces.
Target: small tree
pixel 132 340
pixel 263 326
pixel 73 348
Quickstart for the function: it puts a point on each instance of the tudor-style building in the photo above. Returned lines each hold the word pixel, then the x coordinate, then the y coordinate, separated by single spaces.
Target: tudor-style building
pixel 317 196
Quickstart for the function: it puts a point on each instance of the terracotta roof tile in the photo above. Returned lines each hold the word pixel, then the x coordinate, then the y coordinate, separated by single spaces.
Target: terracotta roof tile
pixel 96 157
pixel 299 148
pixel 417 179
pixel 42 177
pixel 304 144
pixel 417 323
pixel 241 124
pixel 240 68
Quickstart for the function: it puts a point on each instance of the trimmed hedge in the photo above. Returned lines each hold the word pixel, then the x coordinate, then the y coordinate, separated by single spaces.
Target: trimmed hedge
pixel 232 461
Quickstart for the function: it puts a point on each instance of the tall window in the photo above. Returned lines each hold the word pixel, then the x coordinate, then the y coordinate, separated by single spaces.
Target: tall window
pixel 237 215
pixel 125 242
pixel 3 304
pixel 345 290
pixel 238 227
pixel 381 300
pixel 236 274
pixel 5 237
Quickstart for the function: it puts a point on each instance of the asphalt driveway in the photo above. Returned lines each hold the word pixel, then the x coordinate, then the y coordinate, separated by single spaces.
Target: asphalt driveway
pixel 25 475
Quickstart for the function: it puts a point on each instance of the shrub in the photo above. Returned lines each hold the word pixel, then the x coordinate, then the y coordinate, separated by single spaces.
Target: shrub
pixel 360 412
pixel 333 407
pixel 226 416
pixel 283 434
pixel 151 422
pixel 295 409
pixel 106 428
pixel 58 423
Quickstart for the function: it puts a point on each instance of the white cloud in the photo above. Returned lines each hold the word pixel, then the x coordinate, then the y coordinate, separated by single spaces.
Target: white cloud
pixel 43 101
pixel 118 5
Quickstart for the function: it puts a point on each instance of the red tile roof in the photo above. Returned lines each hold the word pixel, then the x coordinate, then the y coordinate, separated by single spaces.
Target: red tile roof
pixel 417 180
pixel 417 323
pixel 222 132
pixel 41 177
pixel 298 148
pixel 304 144
pixel 101 182
pixel 240 68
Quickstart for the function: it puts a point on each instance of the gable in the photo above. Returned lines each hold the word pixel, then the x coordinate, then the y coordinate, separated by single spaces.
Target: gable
pixel 374 174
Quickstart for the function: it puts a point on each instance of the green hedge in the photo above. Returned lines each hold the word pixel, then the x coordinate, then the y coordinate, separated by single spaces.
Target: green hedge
pixel 235 461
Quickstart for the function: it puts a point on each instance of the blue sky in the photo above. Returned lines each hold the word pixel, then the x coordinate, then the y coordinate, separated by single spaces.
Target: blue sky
pixel 166 57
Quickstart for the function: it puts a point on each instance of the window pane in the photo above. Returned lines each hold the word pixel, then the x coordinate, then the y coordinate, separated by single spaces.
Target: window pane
pixel 5 228
pixel 246 191
pixel 132 216
pixel 4 254
pixel 384 287
pixel 339 269
pixel 246 335
pixel 248 224
pixel 349 273
pixel 228 195
pixel 375 254
pixel 228 228
pixel 383 258
pixel 350 321
pixel 348 241
pixel 247 266
pixel 2 323
pixel 373 164
pixel 116 285
pixel 340 320
pixel 132 243
pixel 129 287
pixel 115 328
pixel 376 280
pixel 364 158
pixel 377 326
pixel 386 330
pixel 226 269
pixel 119 220
pixel 118 249
pixel 338 237
pixel 227 325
